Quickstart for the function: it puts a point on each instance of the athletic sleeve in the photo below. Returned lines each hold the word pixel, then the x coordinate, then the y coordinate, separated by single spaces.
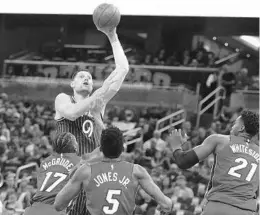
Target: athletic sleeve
pixel 185 159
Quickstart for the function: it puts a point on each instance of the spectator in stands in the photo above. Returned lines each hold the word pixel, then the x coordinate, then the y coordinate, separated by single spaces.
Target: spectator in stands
pixel 23 194
pixel 140 159
pixel 228 81
pixel 156 61
pixel 162 56
pixel 150 148
pixel 186 127
pixel 9 185
pixel 167 186
pixel 211 60
pixel 172 60
pixel 148 59
pixel 186 59
pixel 242 79
pixel 181 190
pixel 194 63
pixel 200 58
pixel 160 144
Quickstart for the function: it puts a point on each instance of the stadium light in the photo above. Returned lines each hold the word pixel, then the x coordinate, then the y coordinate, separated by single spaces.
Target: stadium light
pixel 253 41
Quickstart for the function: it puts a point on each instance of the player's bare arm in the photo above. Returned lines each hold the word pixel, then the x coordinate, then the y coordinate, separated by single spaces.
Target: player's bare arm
pixel 187 159
pixel 72 111
pixel 114 81
pixel 72 188
pixel 148 185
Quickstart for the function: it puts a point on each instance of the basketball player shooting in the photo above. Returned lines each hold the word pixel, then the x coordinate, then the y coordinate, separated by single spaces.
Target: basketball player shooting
pixel 81 114
pixel 234 180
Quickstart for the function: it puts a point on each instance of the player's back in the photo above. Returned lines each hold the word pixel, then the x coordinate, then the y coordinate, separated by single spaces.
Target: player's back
pixel 111 189
pixel 53 175
pixel 235 174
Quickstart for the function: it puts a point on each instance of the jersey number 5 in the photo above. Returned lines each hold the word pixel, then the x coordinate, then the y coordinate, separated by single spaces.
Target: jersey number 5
pixel 60 177
pixel 113 203
pixel 243 164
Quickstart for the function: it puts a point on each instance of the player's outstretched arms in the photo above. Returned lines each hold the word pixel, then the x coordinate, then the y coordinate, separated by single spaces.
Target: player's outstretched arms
pixel 72 111
pixel 72 188
pixel 148 185
pixel 114 81
pixel 187 159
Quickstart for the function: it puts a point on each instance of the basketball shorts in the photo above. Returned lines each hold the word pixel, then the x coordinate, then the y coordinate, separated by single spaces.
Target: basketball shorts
pixel 42 209
pixel 217 208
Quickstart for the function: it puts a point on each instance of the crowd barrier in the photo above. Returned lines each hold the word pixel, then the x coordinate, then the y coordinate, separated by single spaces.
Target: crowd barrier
pixel 159 75
pixel 45 89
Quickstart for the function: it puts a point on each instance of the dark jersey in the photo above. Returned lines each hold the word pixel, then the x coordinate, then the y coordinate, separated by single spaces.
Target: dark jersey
pixel 111 189
pixel 53 175
pixel 235 175
pixel 86 129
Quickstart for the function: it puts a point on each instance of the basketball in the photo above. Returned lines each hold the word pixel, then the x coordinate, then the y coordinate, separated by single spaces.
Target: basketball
pixel 106 16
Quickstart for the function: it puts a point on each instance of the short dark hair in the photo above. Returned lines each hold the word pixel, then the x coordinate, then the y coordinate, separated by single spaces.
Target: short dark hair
pixel 112 142
pixel 63 143
pixel 251 122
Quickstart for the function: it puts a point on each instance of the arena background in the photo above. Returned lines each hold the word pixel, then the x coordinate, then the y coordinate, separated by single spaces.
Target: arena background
pixel 176 71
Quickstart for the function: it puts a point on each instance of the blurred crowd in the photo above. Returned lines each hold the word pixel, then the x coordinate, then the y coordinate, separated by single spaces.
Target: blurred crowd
pixel 198 57
pixel 27 129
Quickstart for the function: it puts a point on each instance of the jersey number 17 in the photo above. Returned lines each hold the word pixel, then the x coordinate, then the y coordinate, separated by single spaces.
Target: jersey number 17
pixel 59 177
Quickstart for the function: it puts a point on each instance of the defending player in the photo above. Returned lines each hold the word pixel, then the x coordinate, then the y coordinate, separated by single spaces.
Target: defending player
pixel 81 114
pixel 111 185
pixel 234 182
pixel 54 174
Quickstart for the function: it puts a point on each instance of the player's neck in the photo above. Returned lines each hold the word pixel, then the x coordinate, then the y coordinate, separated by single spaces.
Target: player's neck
pixel 105 159
pixel 79 97
pixel 245 136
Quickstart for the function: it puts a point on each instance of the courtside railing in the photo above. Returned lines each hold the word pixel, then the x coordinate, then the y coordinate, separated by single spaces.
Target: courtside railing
pixel 171 117
pixel 133 133
pixel 218 95
pixel 24 167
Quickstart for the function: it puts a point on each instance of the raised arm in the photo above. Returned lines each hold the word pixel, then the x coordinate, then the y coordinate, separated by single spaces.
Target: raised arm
pixel 114 81
pixel 101 96
pixel 72 188
pixel 187 159
pixel 148 185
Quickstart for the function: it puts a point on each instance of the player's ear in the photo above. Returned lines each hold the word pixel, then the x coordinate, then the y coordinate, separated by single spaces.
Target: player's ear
pixel 242 128
pixel 72 84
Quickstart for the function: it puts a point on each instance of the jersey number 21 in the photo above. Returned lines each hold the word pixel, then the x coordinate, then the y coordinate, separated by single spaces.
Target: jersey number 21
pixel 242 164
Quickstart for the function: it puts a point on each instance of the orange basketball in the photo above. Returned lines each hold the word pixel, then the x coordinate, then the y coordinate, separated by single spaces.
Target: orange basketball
pixel 106 16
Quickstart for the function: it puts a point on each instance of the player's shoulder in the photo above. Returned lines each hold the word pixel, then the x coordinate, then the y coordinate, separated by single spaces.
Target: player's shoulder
pixel 219 138
pixel 61 97
pixel 83 172
pixel 73 158
pixel 139 171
